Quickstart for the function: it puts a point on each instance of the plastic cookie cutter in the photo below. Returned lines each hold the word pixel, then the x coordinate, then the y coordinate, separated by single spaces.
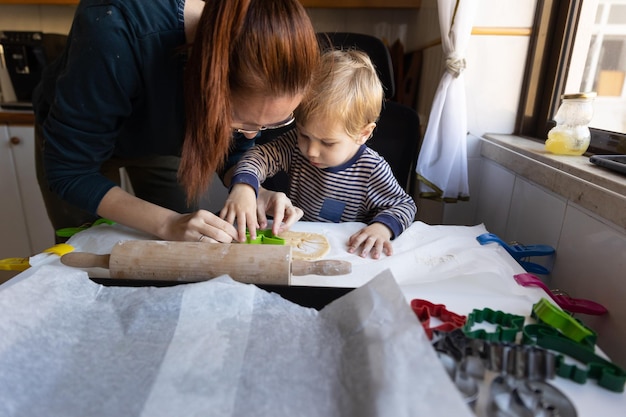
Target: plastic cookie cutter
pixel 546 312
pixel 507 325
pixel 22 264
pixel 520 252
pixel 573 305
pixel 71 231
pixel 509 396
pixel 425 311
pixel 264 237
pixel 607 374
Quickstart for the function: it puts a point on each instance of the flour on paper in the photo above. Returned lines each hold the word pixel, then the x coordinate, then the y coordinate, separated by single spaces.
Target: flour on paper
pixel 432 261
pixel 306 246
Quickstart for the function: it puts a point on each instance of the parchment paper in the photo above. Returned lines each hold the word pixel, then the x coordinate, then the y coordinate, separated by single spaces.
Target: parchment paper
pixel 70 347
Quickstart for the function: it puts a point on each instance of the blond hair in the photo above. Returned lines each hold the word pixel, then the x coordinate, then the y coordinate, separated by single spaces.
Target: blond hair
pixel 345 90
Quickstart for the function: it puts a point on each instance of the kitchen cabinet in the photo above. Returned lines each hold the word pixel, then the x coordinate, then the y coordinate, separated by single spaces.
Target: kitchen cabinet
pixel 24 224
pixel 306 3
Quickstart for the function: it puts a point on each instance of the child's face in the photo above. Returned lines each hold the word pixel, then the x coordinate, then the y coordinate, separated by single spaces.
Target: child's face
pixel 327 145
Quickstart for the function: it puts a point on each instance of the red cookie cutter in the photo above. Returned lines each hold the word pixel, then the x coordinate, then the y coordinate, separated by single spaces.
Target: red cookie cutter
pixel 424 310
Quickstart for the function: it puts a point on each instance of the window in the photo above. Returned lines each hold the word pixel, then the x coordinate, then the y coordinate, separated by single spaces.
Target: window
pixel 577 45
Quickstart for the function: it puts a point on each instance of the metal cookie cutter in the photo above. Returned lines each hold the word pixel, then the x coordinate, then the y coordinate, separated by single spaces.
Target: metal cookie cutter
pixel 529 362
pixel 425 310
pixel 507 325
pixel 466 359
pixel 461 357
pixel 520 252
pixel 512 397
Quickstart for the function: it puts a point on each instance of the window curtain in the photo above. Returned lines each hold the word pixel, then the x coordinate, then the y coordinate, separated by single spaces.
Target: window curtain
pixel 442 162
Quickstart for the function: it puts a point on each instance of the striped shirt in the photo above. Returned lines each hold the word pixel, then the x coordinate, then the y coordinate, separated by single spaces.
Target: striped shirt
pixel 363 189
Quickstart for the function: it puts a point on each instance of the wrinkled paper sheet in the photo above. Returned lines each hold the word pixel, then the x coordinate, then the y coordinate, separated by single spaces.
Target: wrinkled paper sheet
pixel 70 347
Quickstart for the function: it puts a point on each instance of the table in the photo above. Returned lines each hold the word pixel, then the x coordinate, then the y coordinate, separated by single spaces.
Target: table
pixel 441 264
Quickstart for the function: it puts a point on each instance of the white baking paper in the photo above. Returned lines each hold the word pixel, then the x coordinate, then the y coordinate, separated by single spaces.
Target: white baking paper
pixel 70 347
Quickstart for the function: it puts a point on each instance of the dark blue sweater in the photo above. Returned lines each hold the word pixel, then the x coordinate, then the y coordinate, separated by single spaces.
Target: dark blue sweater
pixel 116 90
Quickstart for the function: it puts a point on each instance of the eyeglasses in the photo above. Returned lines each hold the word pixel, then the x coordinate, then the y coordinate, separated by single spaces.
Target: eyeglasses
pixel 284 123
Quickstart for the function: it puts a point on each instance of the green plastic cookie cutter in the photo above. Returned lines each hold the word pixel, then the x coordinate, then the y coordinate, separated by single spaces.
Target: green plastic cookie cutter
pixel 264 237
pixel 609 375
pixel 71 231
pixel 507 325
pixel 548 313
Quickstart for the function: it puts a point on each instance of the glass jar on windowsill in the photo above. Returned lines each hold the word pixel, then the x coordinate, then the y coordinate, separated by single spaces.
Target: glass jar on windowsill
pixel 571 135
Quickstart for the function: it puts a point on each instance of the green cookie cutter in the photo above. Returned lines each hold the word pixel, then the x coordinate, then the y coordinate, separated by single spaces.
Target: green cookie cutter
pixel 71 231
pixel 546 312
pixel 264 237
pixel 507 325
pixel 608 375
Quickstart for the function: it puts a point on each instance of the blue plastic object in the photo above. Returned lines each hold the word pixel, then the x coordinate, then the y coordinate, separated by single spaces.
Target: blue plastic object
pixel 521 252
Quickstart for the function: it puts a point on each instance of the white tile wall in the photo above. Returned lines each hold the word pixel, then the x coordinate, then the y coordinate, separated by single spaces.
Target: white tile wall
pixel 535 218
pixel 591 263
pixel 494 197
pixel 536 215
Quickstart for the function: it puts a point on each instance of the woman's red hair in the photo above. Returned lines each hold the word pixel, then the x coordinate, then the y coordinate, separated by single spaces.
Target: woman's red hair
pixel 264 47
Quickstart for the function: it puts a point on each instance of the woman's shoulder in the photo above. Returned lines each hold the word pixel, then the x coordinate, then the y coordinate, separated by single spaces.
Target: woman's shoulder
pixel 145 17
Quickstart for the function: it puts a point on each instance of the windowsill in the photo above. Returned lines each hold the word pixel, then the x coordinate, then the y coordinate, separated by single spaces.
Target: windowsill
pixel 598 190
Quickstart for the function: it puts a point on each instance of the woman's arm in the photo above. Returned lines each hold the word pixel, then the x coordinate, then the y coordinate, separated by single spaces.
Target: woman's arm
pixel 126 209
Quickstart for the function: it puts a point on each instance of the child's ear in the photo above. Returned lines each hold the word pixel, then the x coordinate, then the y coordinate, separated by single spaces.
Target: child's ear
pixel 366 133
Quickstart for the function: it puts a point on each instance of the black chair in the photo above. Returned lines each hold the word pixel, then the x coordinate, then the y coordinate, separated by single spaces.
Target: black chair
pixel 397 135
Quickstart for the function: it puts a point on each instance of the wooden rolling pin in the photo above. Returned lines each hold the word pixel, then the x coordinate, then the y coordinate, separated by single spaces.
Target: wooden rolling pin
pixel 157 260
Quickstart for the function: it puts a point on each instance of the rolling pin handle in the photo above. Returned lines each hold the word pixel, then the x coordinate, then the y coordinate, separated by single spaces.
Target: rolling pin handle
pixel 323 267
pixel 85 260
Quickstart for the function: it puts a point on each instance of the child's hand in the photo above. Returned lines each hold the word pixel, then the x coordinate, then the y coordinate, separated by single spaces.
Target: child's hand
pixel 276 204
pixel 240 206
pixel 374 239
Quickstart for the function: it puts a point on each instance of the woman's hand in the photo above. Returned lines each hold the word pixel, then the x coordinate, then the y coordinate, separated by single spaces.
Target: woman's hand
pixel 241 207
pixel 374 239
pixel 278 206
pixel 200 226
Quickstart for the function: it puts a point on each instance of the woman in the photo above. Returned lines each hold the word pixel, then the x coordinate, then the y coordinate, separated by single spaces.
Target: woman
pixel 127 92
